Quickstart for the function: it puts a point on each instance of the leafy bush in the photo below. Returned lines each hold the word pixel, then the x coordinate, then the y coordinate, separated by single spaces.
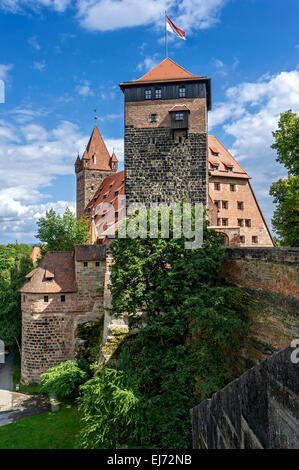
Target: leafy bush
pixel 189 348
pixel 64 380
pixel 112 408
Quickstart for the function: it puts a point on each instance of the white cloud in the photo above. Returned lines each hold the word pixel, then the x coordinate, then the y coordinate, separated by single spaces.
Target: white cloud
pixel 33 43
pixel 109 15
pixel 41 66
pixel 84 90
pixel 249 115
pixel 31 157
pixel 18 6
pixel 4 71
pixel 105 15
pixel 148 63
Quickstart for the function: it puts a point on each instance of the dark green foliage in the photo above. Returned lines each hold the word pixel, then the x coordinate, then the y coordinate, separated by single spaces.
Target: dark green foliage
pixel 64 380
pixel 287 141
pixel 286 215
pixel 286 191
pixel 61 233
pixel 189 348
pixel 18 264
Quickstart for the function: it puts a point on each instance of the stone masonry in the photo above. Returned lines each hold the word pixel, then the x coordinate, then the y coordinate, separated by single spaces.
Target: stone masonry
pixel 257 411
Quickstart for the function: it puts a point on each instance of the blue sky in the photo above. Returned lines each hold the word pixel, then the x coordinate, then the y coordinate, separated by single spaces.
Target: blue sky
pixel 61 59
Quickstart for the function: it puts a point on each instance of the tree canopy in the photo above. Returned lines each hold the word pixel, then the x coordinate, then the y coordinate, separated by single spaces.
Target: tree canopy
pixel 189 347
pixel 62 233
pixel 286 191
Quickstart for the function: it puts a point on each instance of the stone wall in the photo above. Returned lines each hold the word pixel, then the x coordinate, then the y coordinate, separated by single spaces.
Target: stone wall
pixel 51 330
pixel 88 182
pixel 257 411
pixel 161 169
pixel 271 279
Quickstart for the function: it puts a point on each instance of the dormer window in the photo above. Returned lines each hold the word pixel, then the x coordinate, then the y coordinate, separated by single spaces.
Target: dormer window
pixel 154 118
pixel 179 116
pixel 215 167
pixel 148 94
pixel 230 169
pixel 94 159
pixel 158 93
pixel 182 92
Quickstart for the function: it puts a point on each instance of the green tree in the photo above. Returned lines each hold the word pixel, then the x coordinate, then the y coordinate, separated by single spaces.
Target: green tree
pixel 286 191
pixel 61 233
pixel 189 348
pixel 287 141
pixel 10 300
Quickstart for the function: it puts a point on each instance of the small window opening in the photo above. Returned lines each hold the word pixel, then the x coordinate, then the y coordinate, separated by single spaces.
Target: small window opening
pixel 148 94
pixel 240 205
pixel 46 298
pixel 154 118
pixel 224 204
pixel 254 239
pixel 233 187
pixel 85 264
pixel 179 116
pixel 62 298
pixel 94 159
pixel 182 92
pixel 217 186
pixel 97 264
pixel 158 93
pixel 242 239
pixel 248 223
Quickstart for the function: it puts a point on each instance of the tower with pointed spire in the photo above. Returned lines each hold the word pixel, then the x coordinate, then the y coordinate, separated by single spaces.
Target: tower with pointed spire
pixel 94 166
pixel 166 152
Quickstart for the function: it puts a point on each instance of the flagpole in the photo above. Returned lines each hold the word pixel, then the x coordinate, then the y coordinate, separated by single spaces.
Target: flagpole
pixel 165 36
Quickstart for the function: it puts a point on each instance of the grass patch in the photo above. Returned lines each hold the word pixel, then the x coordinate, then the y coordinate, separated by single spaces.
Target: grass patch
pixel 56 430
pixel 32 388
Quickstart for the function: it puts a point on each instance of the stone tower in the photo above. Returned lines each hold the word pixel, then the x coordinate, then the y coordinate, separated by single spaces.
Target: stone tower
pixel 92 168
pixel 166 153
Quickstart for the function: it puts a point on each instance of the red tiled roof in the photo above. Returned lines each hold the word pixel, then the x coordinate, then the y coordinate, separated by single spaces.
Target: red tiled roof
pixel 169 71
pixel 116 181
pixel 96 146
pixel 166 70
pixel 90 253
pixel 59 264
pixel 223 160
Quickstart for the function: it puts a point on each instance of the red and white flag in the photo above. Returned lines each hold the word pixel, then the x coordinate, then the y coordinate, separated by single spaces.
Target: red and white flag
pixel 170 26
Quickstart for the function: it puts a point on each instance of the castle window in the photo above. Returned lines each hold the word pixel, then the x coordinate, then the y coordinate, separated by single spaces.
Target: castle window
pixel 224 204
pixel 94 159
pixel 240 222
pixel 46 298
pixel 240 205
pixel 154 118
pixel 158 93
pixel 215 154
pixel 254 239
pixel 97 264
pixel 116 193
pixel 24 298
pixel 105 196
pixel 230 169
pixel 225 222
pixel 219 222
pixel 217 186
pixel 182 92
pixel 62 298
pixel 179 116
pixel 217 204
pixel 116 215
pixel 247 223
pixel 233 187
pixel 242 239
pixel 148 94
pixel 215 167
pixel 85 264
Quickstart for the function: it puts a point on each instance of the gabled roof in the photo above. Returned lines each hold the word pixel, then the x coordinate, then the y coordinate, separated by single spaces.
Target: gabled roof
pixel 96 146
pixel 166 70
pixel 224 160
pixel 55 273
